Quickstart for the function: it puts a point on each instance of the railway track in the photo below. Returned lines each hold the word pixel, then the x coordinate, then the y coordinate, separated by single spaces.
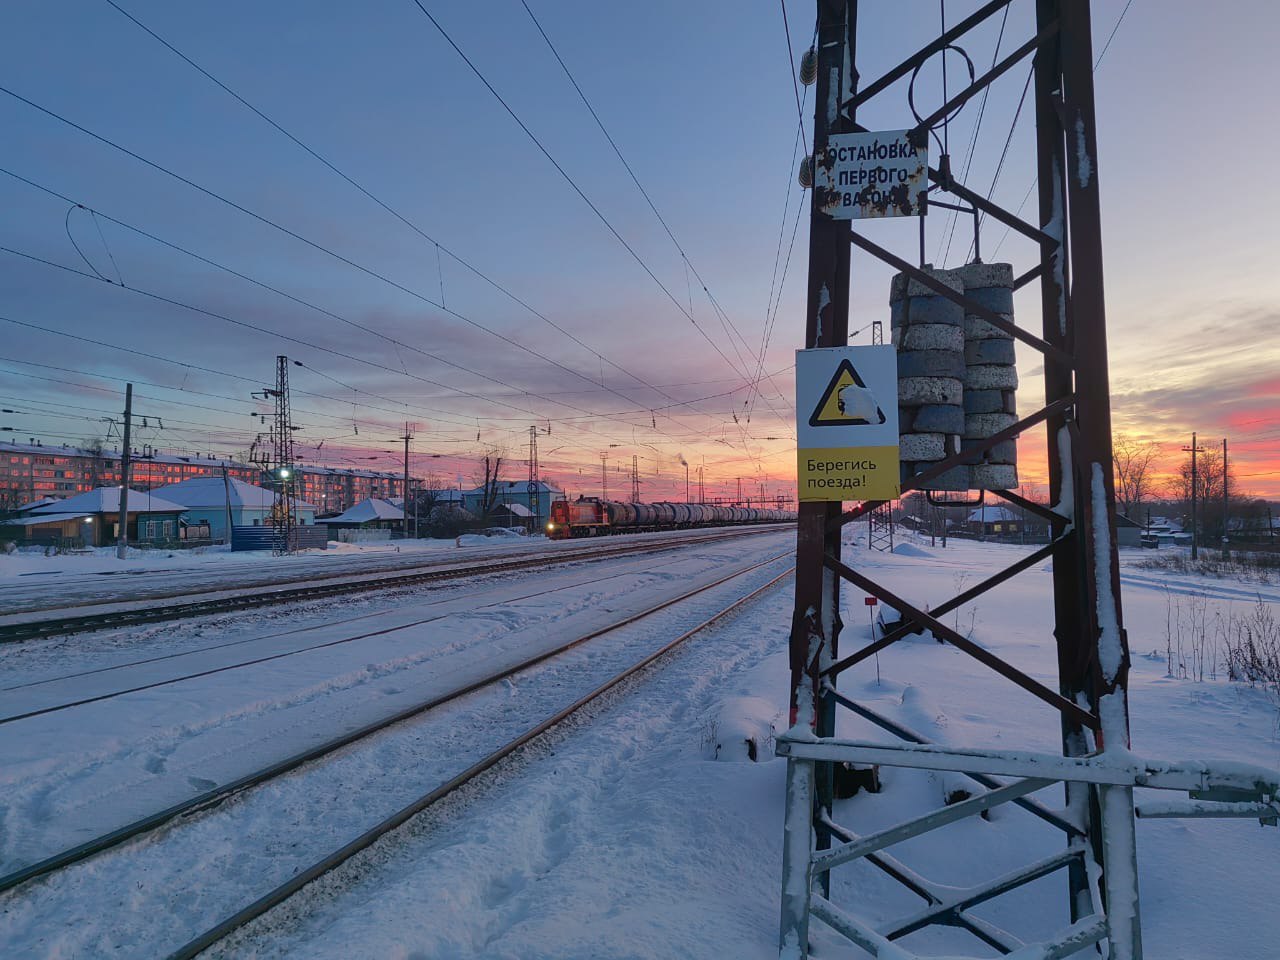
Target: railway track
pixel 111 614
pixel 215 796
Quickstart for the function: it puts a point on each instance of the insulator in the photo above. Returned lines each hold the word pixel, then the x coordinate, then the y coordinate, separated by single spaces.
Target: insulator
pixel 806 172
pixel 809 67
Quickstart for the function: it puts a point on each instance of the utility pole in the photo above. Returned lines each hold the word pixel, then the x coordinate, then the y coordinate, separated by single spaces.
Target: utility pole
pixel 1195 483
pixel 635 479
pixel 1226 549
pixel 122 540
pixel 702 483
pixel 226 490
pixel 686 483
pixel 406 438
pixel 532 487
pixel 739 490
pixel 604 475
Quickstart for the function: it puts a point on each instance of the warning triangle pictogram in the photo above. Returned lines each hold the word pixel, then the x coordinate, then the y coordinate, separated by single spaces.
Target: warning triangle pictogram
pixel 846 402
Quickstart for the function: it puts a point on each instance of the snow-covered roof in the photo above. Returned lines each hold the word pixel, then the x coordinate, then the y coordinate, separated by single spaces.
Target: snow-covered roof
pixel 995 514
pixel 35 504
pixel 211 492
pixel 107 500
pixel 517 486
pixel 367 510
pixel 517 509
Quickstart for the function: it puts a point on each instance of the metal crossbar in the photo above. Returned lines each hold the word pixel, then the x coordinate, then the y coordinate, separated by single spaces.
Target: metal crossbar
pixel 908 624
pixel 984 656
pixel 1115 774
pixel 971 455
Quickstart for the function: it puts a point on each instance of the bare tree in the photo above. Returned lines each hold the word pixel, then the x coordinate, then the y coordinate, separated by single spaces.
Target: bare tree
pixel 1208 488
pixel 490 481
pixel 1133 459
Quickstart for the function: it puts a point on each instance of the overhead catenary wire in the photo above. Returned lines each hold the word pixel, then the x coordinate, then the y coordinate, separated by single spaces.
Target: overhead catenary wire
pixel 299 237
pixel 574 185
pixel 439 247
pixel 941 259
pixel 587 414
pixel 730 328
pixel 1096 63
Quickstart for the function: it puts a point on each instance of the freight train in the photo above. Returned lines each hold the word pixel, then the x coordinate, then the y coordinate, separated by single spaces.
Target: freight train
pixel 593 517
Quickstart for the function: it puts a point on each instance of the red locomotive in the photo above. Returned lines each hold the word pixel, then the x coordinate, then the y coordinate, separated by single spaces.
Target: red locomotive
pixel 592 517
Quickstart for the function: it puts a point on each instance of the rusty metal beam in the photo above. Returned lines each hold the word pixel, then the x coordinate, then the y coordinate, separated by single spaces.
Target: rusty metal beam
pixel 987 78
pixel 957 459
pixel 959 600
pixel 924 53
pixel 1039 509
pixel 962 643
pixel 1027 277
pixel 992 210
pixel 1032 806
pixel 977 309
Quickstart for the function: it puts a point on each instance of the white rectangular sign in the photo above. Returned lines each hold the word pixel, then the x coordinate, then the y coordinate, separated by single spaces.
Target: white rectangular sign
pixel 871 175
pixel 847 423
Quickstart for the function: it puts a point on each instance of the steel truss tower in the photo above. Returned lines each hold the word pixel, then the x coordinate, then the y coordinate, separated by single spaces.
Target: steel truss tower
pixel 1097 771
pixel 278 464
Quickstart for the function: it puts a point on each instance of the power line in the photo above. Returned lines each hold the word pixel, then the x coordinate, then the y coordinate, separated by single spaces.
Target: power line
pixel 573 184
pixel 1096 63
pixel 973 140
pixel 381 203
pixel 311 243
pixel 730 328
pixel 588 414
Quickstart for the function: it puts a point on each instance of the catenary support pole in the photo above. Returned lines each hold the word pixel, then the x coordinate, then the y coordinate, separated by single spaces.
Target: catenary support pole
pixel 226 491
pixel 1226 507
pixel 405 488
pixel 815 623
pixel 122 540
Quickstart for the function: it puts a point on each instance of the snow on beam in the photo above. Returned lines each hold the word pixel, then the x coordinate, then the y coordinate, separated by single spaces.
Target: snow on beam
pixel 1115 768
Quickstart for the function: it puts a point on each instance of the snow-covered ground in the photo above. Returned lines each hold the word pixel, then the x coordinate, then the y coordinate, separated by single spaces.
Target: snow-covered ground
pixel 31 581
pixel 625 834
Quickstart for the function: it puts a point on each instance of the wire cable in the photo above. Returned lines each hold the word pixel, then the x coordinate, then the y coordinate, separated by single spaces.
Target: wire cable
pixel 381 203
pixel 576 189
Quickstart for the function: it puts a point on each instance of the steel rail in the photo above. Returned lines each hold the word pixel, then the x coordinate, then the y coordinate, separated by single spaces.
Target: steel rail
pixel 215 796
pixel 281 893
pixel 269 595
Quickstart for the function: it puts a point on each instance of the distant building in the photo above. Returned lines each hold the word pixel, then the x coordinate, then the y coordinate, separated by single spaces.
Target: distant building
pixel 537 502
pixel 1128 532
pixel 372 514
pixel 995 521
pixel 207 500
pixel 93 519
pixel 29 471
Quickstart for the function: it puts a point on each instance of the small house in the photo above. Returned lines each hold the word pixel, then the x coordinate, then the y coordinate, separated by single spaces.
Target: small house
pixel 371 514
pixel 93 519
pixel 209 499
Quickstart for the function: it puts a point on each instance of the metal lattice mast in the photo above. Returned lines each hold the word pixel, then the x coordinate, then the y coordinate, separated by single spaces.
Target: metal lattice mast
pixel 635 479
pixel 283 468
pixel 1095 767
pixel 534 469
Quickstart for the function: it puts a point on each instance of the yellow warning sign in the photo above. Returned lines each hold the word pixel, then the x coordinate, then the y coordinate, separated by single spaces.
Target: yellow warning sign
pixel 846 402
pixel 839 473
pixel 847 423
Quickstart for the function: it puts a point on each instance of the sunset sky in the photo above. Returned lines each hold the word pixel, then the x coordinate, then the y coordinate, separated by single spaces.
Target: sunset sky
pixel 617 354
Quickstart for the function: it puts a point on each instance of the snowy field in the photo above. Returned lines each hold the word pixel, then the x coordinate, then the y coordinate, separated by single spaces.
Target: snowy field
pixel 642 830
pixel 31 581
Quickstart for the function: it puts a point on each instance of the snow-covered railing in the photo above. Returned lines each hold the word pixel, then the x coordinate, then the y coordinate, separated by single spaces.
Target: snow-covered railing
pixel 1216 790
